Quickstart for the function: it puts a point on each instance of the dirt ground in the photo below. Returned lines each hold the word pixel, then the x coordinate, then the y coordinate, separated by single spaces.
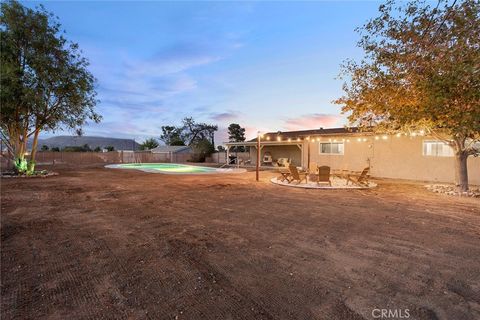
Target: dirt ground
pixel 96 243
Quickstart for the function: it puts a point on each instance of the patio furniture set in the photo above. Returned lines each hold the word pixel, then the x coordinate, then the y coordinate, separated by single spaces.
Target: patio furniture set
pixel 323 175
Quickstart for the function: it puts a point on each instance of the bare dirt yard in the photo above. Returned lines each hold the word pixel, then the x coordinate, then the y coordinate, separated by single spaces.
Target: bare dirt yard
pixel 97 243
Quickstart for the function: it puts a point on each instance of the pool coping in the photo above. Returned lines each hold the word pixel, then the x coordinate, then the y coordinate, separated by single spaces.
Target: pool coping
pixel 215 171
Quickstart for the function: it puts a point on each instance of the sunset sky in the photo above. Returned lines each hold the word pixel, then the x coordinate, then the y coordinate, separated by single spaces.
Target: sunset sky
pixel 266 65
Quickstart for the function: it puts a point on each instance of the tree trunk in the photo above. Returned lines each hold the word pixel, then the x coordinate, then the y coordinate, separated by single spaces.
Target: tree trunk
pixel 31 164
pixel 461 173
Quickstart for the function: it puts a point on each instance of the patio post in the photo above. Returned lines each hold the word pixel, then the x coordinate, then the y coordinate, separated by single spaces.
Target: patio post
pixel 258 156
pixel 227 155
pixel 308 152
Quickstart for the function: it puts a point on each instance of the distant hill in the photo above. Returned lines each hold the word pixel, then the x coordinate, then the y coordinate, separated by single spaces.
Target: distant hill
pixel 93 142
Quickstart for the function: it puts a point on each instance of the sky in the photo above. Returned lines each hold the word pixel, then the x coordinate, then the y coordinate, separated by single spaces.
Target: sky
pixel 269 66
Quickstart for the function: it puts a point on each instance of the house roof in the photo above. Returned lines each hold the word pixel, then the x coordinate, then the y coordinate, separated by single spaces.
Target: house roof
pixel 168 149
pixel 305 133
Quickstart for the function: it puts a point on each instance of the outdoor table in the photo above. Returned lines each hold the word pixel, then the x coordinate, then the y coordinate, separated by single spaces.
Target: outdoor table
pixel 342 174
pixel 284 175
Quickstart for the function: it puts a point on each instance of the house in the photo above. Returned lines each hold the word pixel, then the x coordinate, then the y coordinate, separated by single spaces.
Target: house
pixel 415 156
pixel 172 149
pixel 173 153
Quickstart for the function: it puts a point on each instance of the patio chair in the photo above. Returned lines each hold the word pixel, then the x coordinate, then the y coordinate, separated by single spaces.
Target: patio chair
pixel 360 180
pixel 296 175
pixel 267 158
pixel 324 175
pixel 283 162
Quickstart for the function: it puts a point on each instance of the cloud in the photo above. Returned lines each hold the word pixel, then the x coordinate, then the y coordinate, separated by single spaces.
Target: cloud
pixel 131 85
pixel 225 116
pixel 312 121
pixel 174 59
pixel 137 92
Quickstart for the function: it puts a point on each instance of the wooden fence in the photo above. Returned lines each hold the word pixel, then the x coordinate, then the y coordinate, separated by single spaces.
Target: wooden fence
pixel 51 158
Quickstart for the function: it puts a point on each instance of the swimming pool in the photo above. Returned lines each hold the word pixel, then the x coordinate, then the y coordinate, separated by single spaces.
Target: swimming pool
pixel 173 168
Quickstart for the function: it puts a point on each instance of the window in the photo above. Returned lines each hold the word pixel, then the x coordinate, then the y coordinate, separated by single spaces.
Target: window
pixel 331 147
pixel 437 149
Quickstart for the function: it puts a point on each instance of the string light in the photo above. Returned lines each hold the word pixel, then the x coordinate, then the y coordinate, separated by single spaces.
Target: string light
pixel 398 135
pixel 268 137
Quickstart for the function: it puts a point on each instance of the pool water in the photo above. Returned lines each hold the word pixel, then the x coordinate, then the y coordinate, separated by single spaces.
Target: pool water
pixel 170 168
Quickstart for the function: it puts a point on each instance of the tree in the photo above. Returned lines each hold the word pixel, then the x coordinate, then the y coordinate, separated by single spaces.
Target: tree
pixel 45 148
pixel 421 71
pixel 189 133
pixel 236 134
pixel 194 132
pixel 221 148
pixel 97 149
pixel 177 143
pixel 172 136
pixel 84 148
pixel 109 148
pixel 202 149
pixel 149 144
pixel 45 83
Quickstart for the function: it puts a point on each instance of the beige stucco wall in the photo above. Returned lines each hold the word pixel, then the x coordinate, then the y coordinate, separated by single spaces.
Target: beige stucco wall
pixel 395 157
pixel 356 154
